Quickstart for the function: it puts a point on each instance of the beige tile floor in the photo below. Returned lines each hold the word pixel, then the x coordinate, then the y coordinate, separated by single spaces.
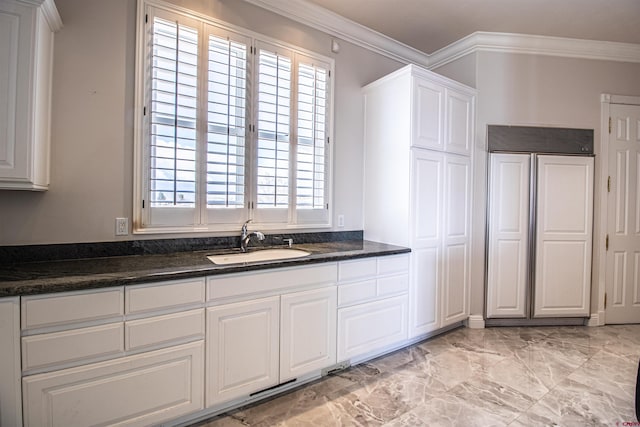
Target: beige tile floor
pixel 542 376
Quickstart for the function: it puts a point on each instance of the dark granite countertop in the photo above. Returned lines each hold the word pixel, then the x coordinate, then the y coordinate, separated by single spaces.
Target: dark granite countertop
pixel 32 278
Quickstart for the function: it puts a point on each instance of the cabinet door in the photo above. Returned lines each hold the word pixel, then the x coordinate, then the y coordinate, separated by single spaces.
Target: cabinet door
pixel 428 115
pixel 563 236
pixel 456 239
pixel 145 389
pixel 459 121
pixel 370 327
pixel 508 256
pixel 307 332
pixel 427 236
pixel 242 348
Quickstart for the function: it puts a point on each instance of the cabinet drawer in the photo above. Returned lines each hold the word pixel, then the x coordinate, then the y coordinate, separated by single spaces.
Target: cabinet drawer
pixel 392 285
pixel 270 281
pixel 353 293
pixel 356 269
pixel 67 308
pixel 393 264
pixel 370 327
pixel 71 346
pixel 144 298
pixel 141 390
pixel 164 329
pixel 368 290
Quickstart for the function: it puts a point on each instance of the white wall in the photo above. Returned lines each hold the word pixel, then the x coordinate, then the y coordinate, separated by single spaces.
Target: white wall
pixel 92 120
pixel 520 89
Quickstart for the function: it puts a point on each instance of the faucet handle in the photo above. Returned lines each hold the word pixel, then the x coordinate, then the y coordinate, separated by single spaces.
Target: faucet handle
pixel 244 226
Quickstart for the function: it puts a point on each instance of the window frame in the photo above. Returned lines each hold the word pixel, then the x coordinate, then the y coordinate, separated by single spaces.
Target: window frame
pixel 205 220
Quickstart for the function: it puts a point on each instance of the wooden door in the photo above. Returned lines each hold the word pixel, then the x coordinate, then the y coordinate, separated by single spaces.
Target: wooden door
pixel 563 236
pixel 508 236
pixel 623 216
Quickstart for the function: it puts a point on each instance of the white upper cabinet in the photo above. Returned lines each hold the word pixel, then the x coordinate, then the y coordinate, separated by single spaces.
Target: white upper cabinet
pixel 26 58
pixel 442 116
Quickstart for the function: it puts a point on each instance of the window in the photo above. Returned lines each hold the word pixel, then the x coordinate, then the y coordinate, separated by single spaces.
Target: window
pixel 234 126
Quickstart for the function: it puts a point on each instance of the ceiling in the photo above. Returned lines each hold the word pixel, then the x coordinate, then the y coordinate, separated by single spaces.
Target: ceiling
pixel 429 25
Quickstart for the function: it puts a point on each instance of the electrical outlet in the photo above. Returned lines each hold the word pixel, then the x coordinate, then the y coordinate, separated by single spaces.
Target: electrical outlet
pixel 340 220
pixel 122 226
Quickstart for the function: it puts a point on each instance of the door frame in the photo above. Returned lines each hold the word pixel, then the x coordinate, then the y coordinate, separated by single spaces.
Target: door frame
pixel 599 269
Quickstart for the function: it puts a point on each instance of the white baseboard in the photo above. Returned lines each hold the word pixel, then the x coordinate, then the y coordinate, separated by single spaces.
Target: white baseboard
pixel 596 319
pixel 475 321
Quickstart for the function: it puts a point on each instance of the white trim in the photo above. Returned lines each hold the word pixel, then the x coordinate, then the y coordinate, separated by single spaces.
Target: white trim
pixel 535 45
pixel 52 16
pixel 475 321
pixel 596 319
pixel 49 11
pixel 317 17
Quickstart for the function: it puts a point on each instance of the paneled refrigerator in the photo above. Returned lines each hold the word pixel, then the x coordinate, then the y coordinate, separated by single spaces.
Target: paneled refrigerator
pixel 539 225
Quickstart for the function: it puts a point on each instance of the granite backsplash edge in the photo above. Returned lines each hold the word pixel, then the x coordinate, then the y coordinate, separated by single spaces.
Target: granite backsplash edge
pixel 67 251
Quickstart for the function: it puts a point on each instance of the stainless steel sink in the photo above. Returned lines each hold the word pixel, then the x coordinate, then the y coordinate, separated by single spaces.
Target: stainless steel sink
pixel 257 256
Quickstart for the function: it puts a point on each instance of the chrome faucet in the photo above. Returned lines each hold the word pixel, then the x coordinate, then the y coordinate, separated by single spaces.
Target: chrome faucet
pixel 245 237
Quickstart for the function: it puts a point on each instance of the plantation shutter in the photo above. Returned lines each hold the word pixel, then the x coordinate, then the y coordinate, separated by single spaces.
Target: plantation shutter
pixel 273 145
pixel 312 141
pixel 226 125
pixel 173 121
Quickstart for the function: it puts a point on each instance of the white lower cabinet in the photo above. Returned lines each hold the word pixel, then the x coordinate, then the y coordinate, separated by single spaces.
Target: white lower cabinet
pixel 373 305
pixel 242 348
pixel 254 345
pixel 136 390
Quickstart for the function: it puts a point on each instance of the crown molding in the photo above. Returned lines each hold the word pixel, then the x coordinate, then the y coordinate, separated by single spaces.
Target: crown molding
pixel 49 11
pixel 535 45
pixel 321 19
pixel 335 25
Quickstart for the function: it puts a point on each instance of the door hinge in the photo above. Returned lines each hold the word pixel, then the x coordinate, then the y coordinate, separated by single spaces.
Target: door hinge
pixel 146 18
pixel 144 111
pixel 609 184
pixel 606 243
pixel 605 300
pixel 143 204
pixel 609 124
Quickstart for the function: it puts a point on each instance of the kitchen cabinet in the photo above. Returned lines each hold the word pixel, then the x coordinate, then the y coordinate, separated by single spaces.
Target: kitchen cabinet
pixel 418 167
pixel 10 391
pixel 26 52
pixel 267 328
pixel 146 357
pixel 373 306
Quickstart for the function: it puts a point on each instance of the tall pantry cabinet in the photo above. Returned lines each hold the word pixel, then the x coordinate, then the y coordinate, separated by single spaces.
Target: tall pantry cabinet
pixel 418 148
